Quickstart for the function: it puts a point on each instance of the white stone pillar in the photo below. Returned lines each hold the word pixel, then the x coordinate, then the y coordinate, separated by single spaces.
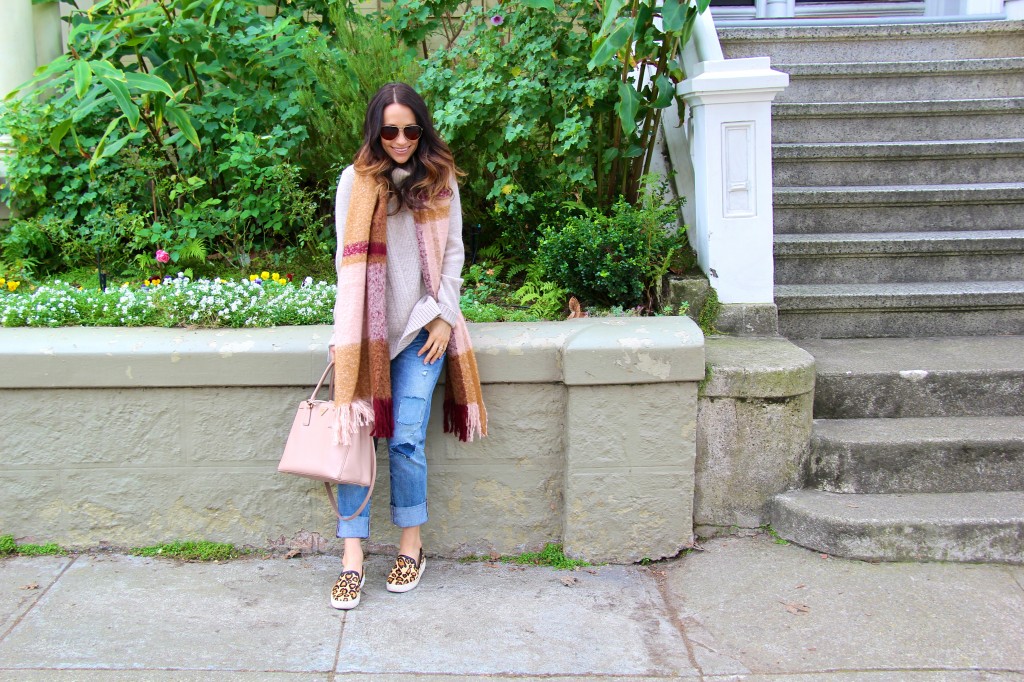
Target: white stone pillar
pixel 17 55
pixel 48 35
pixel 17 45
pixel 775 9
pixel 730 147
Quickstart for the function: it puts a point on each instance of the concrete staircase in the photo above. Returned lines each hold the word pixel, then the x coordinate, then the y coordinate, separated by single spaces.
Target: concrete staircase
pixel 899 177
pixel 899 256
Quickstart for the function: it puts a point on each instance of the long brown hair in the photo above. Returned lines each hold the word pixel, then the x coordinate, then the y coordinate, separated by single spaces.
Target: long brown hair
pixel 430 166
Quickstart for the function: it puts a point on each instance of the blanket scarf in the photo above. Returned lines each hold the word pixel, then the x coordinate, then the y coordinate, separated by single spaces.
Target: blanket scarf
pixel 362 366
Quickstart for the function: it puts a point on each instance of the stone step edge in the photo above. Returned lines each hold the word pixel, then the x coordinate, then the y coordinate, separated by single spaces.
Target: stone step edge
pixel 942 67
pixel 900 296
pixel 939 30
pixel 912 526
pixel 907 357
pixel 881 244
pixel 867 431
pixel 793 152
pixel 899 195
pixel 902 109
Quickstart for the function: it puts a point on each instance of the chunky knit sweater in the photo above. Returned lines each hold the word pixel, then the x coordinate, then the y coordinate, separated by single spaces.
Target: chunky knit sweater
pixel 409 306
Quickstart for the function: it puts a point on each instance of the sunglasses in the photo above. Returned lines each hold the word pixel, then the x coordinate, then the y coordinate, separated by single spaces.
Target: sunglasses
pixel 412 133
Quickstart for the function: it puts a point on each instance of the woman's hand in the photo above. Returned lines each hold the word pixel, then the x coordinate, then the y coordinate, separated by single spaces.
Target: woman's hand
pixel 438 332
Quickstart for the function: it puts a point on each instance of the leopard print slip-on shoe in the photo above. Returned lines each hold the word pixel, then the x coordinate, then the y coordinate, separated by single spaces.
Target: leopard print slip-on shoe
pixel 347 590
pixel 406 573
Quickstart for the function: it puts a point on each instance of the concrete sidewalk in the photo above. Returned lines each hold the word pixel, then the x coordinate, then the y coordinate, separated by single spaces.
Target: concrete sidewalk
pixel 743 609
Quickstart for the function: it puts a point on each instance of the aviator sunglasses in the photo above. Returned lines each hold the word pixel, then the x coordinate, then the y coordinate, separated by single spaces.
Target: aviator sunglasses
pixel 412 133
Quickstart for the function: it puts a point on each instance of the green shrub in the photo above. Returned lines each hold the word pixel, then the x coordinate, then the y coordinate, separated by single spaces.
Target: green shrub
pixel 524 116
pixel 176 125
pixel 349 68
pixel 614 259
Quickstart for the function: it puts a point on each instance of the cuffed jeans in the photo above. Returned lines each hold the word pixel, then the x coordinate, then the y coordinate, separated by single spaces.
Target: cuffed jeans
pixel 412 385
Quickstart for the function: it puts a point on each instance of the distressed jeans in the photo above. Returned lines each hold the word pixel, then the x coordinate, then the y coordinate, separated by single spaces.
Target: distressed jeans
pixel 412 385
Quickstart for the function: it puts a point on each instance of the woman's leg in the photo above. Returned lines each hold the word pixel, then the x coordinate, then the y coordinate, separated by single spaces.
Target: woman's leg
pixel 412 386
pixel 355 530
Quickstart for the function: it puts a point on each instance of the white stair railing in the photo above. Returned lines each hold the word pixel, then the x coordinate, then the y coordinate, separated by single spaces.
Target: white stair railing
pixel 721 152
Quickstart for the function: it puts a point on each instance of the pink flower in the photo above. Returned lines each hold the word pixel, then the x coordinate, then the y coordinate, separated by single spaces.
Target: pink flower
pixel 162 256
pixel 497 20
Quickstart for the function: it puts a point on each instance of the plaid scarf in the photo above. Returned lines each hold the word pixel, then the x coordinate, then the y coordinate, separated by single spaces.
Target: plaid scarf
pixel 362 366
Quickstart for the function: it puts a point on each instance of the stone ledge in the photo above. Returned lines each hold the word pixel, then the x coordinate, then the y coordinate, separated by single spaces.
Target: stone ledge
pixel 753 367
pixel 575 352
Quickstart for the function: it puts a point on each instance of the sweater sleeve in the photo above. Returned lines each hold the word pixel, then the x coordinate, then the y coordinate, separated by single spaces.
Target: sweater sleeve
pixel 454 258
pixel 341 200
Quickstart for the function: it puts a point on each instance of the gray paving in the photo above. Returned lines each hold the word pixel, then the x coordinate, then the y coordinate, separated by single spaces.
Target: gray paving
pixel 743 609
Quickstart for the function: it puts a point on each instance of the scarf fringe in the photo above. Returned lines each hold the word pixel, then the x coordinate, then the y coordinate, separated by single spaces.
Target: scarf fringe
pixel 384 419
pixel 463 420
pixel 350 417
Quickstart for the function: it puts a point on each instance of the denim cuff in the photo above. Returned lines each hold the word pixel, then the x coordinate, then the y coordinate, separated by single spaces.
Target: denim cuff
pixel 408 517
pixel 359 527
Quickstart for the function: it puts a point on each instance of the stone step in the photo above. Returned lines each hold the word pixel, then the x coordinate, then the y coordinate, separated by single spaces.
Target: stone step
pixel 819 164
pixel 918 455
pixel 883 43
pixel 901 81
pixel 979 526
pixel 940 120
pixel 918 377
pixel 903 208
pixel 899 257
pixel 913 309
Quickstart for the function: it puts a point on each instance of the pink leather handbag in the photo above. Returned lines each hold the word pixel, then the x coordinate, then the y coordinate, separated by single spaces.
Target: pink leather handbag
pixel 311 451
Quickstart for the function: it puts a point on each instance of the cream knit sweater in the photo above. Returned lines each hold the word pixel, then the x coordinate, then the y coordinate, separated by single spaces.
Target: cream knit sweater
pixel 409 305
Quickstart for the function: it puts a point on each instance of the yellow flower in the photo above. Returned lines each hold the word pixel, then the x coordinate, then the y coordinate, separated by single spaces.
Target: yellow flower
pixel 253 278
pixel 508 189
pixel 12 285
pixel 516 71
pixel 276 277
pixel 2 281
pixel 264 275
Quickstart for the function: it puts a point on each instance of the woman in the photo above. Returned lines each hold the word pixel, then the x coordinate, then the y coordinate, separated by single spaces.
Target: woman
pixel 397 320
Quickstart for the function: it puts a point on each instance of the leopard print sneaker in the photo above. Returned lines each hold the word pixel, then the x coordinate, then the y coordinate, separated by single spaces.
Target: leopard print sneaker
pixel 406 573
pixel 347 590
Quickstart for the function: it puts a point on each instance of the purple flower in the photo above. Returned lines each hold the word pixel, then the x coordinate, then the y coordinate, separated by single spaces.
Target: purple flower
pixel 497 20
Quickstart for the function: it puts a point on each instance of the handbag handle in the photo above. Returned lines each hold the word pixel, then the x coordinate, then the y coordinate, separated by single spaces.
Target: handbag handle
pixel 323 378
pixel 331 497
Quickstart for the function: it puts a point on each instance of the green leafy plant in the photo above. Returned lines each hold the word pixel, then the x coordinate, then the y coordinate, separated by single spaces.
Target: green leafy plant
pixel 543 298
pixel 643 40
pixel 612 259
pixel 776 538
pixel 514 99
pixel 8 546
pixel 203 550
pixel 709 313
pixel 185 113
pixel 552 555
pixel 349 68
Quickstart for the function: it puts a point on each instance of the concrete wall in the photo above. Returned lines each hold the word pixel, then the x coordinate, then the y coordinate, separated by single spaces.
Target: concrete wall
pixel 136 436
pixel 753 430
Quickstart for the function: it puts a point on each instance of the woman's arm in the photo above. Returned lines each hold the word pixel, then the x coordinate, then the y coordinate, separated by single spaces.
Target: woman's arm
pixel 451 265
